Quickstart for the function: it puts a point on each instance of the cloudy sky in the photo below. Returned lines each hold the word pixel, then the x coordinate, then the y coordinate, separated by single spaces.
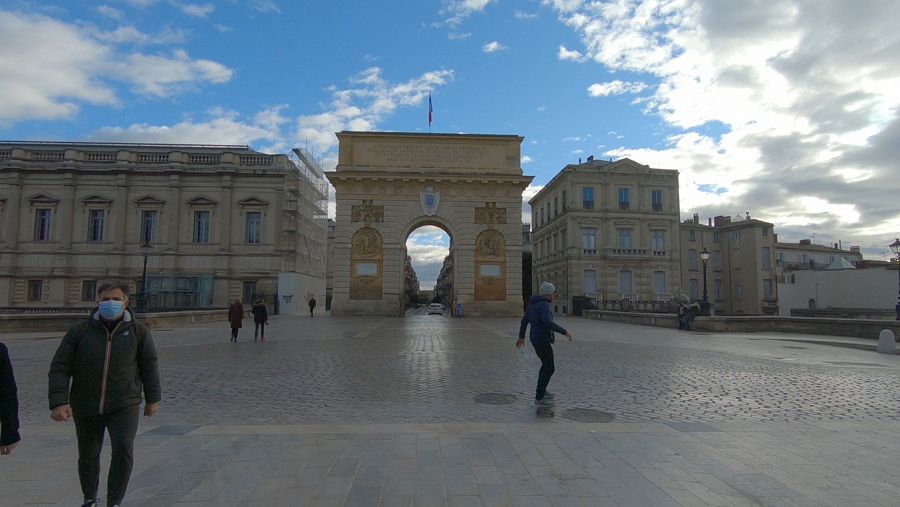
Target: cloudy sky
pixel 786 109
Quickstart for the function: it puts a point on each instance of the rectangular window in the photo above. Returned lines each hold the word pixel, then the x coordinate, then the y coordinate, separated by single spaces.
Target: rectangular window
pixel 88 290
pixel 201 227
pixel 692 260
pixel 589 239
pixel 42 219
pixel 249 293
pixel 739 292
pixel 625 286
pixel 564 200
pixel 656 200
pixel 96 222
pixel 624 238
pixel 768 294
pixel 717 261
pixel 253 227
pixel 659 282
pixel 765 231
pixel 766 254
pixel 542 215
pixel 736 235
pixel 658 240
pixel 624 199
pixel 587 197
pixel 717 289
pixel 692 235
pixel 693 288
pixel 555 205
pixel 35 290
pixel 717 237
pixel 590 281
pixel 149 220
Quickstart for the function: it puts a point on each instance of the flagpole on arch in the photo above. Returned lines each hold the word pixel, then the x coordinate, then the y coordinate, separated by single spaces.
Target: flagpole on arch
pixel 430 110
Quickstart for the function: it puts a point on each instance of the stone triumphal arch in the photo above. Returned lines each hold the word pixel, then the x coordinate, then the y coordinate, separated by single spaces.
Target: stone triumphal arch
pixel 389 184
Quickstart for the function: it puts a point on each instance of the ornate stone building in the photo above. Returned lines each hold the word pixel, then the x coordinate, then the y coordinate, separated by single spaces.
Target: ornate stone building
pixel 607 231
pixel 389 184
pixel 221 222
pixel 741 276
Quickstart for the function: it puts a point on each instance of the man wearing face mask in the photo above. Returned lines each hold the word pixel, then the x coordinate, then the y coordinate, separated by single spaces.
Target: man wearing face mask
pixel 96 378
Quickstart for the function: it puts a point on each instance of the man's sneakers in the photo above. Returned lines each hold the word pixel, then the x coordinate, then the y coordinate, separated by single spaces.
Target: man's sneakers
pixel 548 399
pixel 90 502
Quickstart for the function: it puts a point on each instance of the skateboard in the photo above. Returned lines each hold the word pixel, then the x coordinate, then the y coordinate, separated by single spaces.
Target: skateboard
pixel 546 409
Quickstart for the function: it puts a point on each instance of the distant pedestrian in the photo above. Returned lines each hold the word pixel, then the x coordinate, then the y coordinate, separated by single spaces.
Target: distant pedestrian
pixel 9 404
pixel 539 316
pixel 312 305
pixel 97 376
pixel 235 318
pixel 260 319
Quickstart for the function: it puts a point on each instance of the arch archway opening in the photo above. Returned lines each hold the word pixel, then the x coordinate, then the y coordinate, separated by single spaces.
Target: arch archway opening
pixel 428 269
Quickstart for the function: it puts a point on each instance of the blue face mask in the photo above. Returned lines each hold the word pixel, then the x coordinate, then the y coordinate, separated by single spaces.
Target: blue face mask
pixel 111 309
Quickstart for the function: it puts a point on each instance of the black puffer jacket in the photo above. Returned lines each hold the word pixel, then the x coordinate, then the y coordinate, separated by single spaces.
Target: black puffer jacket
pixel 108 370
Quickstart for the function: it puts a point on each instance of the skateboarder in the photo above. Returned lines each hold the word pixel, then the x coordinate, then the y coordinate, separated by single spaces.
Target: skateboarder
pixel 538 314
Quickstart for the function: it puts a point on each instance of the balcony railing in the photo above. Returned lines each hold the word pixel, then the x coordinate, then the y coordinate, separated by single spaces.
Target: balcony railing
pixel 657 207
pixel 624 206
pixel 626 252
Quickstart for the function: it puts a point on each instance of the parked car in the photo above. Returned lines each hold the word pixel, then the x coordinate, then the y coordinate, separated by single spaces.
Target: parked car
pixel 436 308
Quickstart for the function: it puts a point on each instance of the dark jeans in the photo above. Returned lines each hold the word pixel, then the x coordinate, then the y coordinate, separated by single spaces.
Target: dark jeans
pixel 122 427
pixel 545 352
pixel 257 327
pixel 234 332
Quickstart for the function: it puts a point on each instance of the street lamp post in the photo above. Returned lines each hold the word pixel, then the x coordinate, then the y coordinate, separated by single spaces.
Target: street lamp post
pixel 146 248
pixel 895 247
pixel 704 305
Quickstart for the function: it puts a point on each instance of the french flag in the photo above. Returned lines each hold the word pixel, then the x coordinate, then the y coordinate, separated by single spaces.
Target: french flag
pixel 430 110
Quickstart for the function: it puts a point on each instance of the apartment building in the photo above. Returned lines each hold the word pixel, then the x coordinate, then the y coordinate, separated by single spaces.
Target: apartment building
pixel 210 223
pixel 607 230
pixel 741 270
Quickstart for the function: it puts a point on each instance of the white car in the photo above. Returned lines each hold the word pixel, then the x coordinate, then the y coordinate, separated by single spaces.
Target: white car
pixel 435 308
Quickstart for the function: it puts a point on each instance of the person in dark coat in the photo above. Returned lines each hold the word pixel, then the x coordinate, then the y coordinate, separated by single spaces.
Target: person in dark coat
pixel 312 305
pixel 235 318
pixel 98 374
pixel 260 319
pixel 9 404
pixel 542 328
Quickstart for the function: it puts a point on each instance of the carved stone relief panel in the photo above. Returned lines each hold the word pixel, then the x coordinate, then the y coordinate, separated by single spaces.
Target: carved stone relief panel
pixel 490 214
pixel 366 264
pixel 367 212
pixel 490 266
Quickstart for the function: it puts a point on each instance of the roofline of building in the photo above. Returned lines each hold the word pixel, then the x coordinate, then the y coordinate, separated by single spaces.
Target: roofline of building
pixel 822 248
pixel 606 164
pixel 742 222
pixel 99 144
pixel 427 134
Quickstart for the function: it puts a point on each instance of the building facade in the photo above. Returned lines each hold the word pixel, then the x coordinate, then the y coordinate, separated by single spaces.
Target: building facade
pixel 740 273
pixel 607 231
pixel 218 223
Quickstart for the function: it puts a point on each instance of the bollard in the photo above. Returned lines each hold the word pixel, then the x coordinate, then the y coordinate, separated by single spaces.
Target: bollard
pixel 887 342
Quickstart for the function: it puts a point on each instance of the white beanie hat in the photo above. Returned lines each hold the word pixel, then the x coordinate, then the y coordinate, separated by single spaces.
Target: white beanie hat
pixel 547 288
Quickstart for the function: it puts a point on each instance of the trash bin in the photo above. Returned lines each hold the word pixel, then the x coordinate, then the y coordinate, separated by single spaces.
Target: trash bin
pixel 459 311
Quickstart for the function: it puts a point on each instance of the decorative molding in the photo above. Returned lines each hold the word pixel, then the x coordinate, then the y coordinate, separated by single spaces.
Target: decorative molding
pixel 367 212
pixel 490 243
pixel 43 200
pixel 253 201
pixel 149 200
pixel 367 242
pixel 95 200
pixel 490 214
pixel 200 201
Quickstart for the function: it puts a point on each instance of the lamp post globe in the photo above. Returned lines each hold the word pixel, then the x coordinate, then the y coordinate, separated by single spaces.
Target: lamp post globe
pixel 704 305
pixel 895 247
pixel 145 249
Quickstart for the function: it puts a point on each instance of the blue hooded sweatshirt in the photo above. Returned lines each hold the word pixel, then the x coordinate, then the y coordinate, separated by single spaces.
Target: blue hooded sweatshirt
pixel 542 326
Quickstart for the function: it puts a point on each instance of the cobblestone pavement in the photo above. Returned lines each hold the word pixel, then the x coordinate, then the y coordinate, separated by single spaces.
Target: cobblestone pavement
pixel 368 411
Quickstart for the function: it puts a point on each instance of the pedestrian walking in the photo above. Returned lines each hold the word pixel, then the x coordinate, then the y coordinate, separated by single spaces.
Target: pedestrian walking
pixel 96 378
pixel 260 319
pixel 312 305
pixel 235 318
pixel 9 404
pixel 538 315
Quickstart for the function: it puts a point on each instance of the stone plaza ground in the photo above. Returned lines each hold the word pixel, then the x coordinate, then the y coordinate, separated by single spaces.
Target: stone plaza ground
pixel 432 411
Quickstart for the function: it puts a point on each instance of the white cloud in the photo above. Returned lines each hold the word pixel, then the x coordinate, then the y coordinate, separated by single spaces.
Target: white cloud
pixel 197 10
pixel 803 99
pixel 223 127
pixel 458 10
pixel 573 139
pixel 492 47
pixel 427 247
pixel 530 191
pixel 526 16
pixel 111 12
pixel 570 55
pixel 131 35
pixel 615 88
pixel 265 6
pixel 525 160
pixel 459 36
pixel 365 104
pixel 69 65
pixel 164 76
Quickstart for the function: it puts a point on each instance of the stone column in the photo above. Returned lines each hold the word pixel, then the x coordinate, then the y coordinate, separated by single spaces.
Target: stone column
pixel 13 208
pixel 226 214
pixel 175 210
pixel 66 211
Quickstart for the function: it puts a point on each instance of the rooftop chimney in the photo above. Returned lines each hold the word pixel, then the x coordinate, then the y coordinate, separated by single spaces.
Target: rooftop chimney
pixel 696 218
pixel 805 242
pixel 721 220
pixel 590 159
pixel 709 221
